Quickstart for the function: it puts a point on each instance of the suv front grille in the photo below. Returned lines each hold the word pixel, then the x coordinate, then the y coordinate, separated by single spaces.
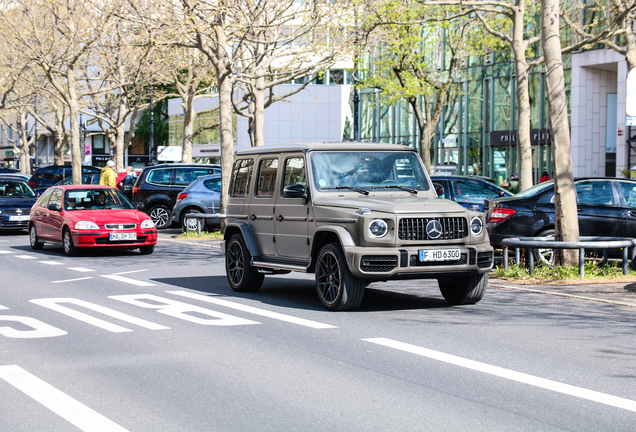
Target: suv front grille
pixel 415 228
pixel 378 263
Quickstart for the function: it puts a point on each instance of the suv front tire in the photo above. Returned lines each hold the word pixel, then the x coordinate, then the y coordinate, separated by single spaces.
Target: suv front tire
pixel 337 288
pixel 241 275
pixel 161 216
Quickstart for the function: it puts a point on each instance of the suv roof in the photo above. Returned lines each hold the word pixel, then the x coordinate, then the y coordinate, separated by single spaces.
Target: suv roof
pixel 339 146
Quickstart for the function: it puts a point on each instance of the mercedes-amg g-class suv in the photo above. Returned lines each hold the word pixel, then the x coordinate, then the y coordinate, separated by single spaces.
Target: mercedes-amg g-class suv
pixel 352 214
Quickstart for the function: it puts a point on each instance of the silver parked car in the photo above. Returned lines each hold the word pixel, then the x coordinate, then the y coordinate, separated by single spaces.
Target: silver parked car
pixel 202 196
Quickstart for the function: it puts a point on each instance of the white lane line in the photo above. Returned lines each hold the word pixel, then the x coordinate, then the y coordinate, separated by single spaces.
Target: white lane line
pixel 128 280
pixel 73 280
pixel 3 307
pixel 532 380
pixel 253 310
pixel 25 256
pixel 128 272
pixel 51 262
pixel 5 252
pixel 60 403
pixel 80 269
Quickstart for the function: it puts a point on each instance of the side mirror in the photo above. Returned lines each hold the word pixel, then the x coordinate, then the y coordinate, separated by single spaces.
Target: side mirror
pixel 54 207
pixel 294 191
pixel 439 189
pixel 140 206
pixel 502 193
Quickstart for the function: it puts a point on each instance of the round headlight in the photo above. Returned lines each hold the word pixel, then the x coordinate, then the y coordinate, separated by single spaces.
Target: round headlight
pixel 378 228
pixel 476 225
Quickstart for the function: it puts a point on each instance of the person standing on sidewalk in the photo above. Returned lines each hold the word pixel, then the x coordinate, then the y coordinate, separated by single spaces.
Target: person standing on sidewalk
pixel 108 177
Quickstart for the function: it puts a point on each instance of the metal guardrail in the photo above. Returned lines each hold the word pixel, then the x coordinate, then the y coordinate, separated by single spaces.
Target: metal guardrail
pixel 201 216
pixel 586 242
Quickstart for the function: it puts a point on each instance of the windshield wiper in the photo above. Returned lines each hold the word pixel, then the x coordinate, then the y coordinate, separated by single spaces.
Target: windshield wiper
pixel 405 188
pixel 353 188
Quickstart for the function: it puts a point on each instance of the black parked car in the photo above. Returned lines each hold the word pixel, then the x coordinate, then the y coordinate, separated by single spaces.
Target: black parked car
pixel 16 200
pixel 50 175
pixel 606 207
pixel 157 187
pixel 87 178
pixel 8 170
pixel 468 191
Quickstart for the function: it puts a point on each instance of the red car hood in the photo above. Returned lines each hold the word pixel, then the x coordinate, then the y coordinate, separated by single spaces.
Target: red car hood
pixel 101 217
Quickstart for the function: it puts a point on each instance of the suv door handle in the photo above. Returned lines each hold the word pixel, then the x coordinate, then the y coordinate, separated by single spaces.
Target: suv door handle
pixel 280 218
pixel 632 213
pixel 253 217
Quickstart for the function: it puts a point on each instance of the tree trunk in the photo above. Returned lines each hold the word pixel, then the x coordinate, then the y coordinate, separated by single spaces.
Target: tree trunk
pixel 524 149
pixel 120 135
pixel 58 145
pixel 259 111
pixel 188 128
pixel 566 216
pixel 225 116
pixel 73 105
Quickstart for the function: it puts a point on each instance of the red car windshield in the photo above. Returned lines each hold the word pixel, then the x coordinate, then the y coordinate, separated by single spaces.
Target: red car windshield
pixel 96 199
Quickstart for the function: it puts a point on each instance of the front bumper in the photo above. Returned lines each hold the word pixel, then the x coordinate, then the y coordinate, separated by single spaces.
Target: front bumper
pixel 402 262
pixel 101 238
pixel 7 224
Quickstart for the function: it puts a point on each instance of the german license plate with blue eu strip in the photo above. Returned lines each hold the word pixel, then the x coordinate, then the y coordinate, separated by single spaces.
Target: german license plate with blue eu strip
pixel 123 236
pixel 439 255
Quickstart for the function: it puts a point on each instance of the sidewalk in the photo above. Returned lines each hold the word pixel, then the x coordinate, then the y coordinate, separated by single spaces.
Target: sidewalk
pixel 611 291
pixel 622 292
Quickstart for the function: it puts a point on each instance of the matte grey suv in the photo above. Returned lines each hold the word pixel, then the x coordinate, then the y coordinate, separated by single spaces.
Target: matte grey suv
pixel 352 214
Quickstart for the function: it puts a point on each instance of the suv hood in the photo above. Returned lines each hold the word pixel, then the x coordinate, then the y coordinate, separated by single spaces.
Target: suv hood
pixel 394 204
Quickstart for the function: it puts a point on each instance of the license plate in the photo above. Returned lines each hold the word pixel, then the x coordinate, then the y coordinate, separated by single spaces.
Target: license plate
pixel 19 218
pixel 123 236
pixel 439 255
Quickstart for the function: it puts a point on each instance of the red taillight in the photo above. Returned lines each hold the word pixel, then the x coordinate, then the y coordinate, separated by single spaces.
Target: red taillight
pixel 181 196
pixel 31 182
pixel 136 190
pixel 500 215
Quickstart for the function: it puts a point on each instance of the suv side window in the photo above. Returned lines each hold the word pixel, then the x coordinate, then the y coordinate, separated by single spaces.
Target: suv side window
pixel 242 177
pixel 469 191
pixel 160 177
pixel 185 176
pixel 294 172
pixel 629 193
pixel 267 170
pixel 52 174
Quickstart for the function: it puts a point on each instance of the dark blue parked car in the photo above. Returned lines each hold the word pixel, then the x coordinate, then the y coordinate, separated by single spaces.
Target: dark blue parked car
pixel 468 191
pixel 16 200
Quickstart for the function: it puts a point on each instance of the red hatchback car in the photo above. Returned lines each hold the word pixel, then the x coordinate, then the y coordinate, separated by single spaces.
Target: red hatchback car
pixel 88 216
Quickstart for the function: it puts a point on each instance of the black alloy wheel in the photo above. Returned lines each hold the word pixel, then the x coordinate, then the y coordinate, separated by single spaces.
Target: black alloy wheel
pixel 160 215
pixel 337 288
pixel 241 275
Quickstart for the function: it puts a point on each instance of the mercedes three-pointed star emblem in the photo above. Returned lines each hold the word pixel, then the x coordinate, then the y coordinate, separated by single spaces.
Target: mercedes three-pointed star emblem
pixel 434 229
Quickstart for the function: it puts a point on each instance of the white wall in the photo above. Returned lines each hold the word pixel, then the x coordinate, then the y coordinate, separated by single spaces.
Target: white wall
pixel 595 74
pixel 315 114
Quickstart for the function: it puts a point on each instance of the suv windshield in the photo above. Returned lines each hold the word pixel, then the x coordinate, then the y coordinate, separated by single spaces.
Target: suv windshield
pixel 368 171
pixel 15 189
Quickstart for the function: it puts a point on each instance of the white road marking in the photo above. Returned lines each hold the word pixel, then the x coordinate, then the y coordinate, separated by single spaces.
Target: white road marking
pixel 128 280
pixel 3 307
pixel 5 252
pixel 60 403
pixel 73 280
pixel 532 380
pixel 80 269
pixel 180 310
pixel 253 310
pixel 51 262
pixel 25 256
pixel 54 304
pixel 39 329
pixel 128 272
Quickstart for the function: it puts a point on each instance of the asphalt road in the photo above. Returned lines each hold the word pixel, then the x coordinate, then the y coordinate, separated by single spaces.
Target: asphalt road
pixel 113 341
